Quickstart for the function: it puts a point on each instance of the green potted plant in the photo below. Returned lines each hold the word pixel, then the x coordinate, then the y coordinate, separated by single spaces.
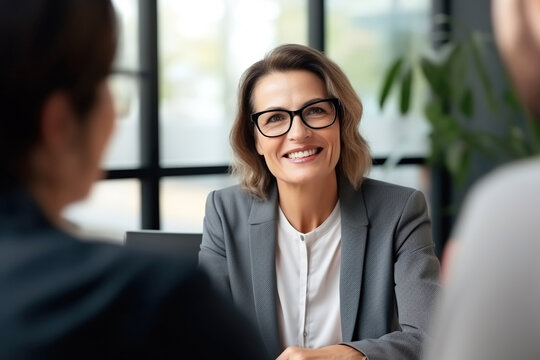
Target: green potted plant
pixel 457 80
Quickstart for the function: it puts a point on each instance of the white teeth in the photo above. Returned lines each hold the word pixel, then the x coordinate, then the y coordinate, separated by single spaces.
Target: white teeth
pixel 301 154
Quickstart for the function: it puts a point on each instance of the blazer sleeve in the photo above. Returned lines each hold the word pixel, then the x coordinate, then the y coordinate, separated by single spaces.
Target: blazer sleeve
pixel 213 255
pixel 416 284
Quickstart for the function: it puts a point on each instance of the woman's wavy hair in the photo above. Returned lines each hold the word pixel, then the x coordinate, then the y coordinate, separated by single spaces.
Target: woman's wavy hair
pixel 355 159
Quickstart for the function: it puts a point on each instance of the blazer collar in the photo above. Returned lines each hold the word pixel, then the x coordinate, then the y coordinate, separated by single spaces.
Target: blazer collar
pixel 262 242
pixel 264 210
pixel 354 230
pixel 353 201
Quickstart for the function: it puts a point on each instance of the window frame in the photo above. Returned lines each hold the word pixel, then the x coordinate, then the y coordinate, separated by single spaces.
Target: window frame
pixel 150 172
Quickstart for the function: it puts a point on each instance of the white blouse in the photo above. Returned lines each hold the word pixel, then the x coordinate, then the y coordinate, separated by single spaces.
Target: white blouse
pixel 307 269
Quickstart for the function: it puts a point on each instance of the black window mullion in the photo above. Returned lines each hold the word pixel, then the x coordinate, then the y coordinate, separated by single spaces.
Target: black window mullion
pixel 441 183
pixel 150 172
pixel 149 124
pixel 316 24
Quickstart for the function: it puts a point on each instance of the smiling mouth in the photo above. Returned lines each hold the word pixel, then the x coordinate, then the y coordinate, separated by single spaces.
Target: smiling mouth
pixel 303 154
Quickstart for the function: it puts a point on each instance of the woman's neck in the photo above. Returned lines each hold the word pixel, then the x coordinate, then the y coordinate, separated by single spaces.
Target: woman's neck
pixel 307 206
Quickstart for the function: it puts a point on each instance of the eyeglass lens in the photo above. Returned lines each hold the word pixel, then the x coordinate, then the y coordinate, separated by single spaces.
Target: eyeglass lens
pixel 318 115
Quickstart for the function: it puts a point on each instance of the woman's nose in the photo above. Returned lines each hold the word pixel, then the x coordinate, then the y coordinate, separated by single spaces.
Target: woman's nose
pixel 298 130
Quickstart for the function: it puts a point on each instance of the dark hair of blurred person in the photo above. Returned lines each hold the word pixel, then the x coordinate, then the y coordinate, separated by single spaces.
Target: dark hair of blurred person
pixel 59 297
pixel 53 54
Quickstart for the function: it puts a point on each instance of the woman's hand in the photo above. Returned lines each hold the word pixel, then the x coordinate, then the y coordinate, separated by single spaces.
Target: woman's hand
pixel 341 352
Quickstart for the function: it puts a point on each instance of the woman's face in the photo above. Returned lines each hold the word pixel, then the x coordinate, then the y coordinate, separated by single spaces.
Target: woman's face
pixel 302 155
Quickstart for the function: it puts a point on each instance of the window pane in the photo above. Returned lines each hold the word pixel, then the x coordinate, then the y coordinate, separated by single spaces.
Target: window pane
pixel 112 207
pixel 123 151
pixel 364 38
pixel 127 56
pixel 415 176
pixel 205 45
pixel 183 200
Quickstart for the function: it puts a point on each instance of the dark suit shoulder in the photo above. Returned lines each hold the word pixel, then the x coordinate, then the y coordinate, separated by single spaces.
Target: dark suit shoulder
pixel 89 299
pixel 91 256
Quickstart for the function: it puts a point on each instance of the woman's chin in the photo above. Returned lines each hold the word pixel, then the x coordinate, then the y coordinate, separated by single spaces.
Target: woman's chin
pixel 307 179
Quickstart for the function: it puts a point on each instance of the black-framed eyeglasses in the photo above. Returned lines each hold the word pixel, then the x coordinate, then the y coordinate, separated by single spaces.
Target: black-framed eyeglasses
pixel 315 115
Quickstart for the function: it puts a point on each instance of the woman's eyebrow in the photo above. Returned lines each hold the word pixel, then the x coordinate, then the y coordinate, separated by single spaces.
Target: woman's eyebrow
pixel 301 106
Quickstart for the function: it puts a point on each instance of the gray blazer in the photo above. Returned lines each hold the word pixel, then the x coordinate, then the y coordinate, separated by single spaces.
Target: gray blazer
pixel 388 276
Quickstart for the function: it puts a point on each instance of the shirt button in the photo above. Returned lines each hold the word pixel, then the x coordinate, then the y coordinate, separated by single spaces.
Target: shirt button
pixel 302 237
pixel 305 333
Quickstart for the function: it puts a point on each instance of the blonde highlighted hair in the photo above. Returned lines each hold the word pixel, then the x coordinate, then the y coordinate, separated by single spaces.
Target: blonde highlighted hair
pixel 249 166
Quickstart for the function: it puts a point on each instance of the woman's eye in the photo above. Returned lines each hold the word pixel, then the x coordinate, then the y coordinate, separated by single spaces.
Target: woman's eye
pixel 315 110
pixel 275 118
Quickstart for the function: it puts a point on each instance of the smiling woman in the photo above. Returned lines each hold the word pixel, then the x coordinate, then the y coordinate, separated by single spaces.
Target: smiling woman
pixel 297 154
pixel 291 244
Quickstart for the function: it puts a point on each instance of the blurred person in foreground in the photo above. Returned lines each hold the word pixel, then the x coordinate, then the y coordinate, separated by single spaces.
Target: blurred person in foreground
pixel 490 304
pixel 329 263
pixel 60 297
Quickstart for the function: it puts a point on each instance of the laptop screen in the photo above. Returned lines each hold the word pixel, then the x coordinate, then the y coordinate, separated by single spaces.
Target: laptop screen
pixel 187 244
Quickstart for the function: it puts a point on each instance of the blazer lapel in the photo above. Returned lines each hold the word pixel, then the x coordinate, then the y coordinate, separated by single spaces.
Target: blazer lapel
pixel 354 227
pixel 262 239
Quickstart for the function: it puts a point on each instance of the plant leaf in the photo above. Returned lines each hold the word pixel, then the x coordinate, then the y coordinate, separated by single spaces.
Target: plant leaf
pixel 434 75
pixel 457 160
pixel 466 104
pixel 533 126
pixel 455 67
pixel 389 81
pixel 517 141
pixel 406 91
pixel 433 112
pixel 510 99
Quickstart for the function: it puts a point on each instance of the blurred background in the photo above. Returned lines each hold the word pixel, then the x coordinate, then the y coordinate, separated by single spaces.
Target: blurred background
pixel 178 68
